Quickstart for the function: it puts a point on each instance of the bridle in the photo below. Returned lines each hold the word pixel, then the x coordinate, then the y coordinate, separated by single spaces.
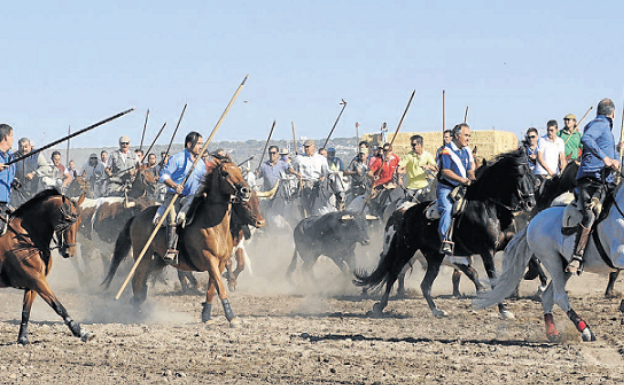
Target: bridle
pixel 68 218
pixel 522 198
pixel 241 194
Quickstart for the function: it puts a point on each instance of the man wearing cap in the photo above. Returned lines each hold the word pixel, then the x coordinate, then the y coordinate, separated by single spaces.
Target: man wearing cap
pixel 357 171
pixel 272 169
pixel 94 172
pixel 284 155
pixel 120 167
pixel 28 172
pixel 311 168
pixel 571 137
pixel 172 175
pixel 415 164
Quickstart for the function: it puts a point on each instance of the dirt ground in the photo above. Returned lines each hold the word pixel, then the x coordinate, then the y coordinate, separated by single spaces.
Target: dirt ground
pixel 307 333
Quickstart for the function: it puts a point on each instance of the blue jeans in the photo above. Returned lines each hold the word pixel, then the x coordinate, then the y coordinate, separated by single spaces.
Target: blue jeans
pixel 445 208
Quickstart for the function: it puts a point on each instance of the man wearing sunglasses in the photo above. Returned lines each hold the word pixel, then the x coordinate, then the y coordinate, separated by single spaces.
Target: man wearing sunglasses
pixel 272 169
pixel 415 165
pixel 571 137
pixel 530 144
pixel 120 167
pixel 550 153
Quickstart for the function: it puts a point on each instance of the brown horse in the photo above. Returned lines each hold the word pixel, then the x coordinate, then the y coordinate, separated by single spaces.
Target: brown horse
pixel 25 254
pixel 205 244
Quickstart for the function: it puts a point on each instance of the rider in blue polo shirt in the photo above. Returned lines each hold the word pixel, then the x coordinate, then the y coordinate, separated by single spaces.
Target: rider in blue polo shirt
pixel 455 170
pixel 598 153
pixel 7 174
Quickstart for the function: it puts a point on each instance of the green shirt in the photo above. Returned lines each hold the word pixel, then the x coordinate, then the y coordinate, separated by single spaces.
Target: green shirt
pixel 416 176
pixel 572 143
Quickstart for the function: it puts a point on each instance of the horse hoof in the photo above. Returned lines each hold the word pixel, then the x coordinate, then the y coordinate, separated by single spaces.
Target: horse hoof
pixel 588 335
pixel 507 315
pixel 87 336
pixel 210 322
pixel 457 294
pixel 377 310
pixel 554 338
pixel 439 313
pixel 23 341
pixel 236 323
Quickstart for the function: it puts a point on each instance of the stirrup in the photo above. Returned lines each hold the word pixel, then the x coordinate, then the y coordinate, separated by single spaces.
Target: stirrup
pixel 574 267
pixel 171 257
pixel 447 248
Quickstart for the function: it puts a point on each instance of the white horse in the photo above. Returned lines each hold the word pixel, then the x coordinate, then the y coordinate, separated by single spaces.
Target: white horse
pixel 543 238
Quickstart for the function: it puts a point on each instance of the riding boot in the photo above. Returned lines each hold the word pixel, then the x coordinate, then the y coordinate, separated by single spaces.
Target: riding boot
pixel 582 236
pixel 171 238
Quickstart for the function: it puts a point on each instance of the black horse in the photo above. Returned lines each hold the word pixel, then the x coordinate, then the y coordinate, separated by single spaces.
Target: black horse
pixel 501 189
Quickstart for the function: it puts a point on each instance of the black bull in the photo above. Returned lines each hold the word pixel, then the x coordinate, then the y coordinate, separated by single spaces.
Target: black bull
pixel 333 235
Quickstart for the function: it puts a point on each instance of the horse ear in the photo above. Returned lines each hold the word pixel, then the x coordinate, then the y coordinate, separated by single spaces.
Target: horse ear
pixel 81 199
pixel 474 151
pixel 84 173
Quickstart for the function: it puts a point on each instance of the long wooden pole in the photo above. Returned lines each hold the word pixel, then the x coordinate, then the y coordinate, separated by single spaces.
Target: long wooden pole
pixel 144 128
pixel 618 174
pixel 294 137
pixel 466 115
pixel 357 134
pixel 79 132
pixel 68 144
pixel 402 117
pixel 443 114
pixel 578 125
pixel 175 131
pixel 175 197
pixel 266 144
pixel 344 105
pixel 153 143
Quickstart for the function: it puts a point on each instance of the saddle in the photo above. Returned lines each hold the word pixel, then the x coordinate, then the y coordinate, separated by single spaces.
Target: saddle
pixel 458 197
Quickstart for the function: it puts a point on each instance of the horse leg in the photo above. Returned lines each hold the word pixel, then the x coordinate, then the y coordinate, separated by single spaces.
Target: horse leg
pixel 548 302
pixel 488 263
pixel 558 282
pixel 139 284
pixel 239 254
pixel 29 297
pixel 434 260
pixel 215 269
pixel 401 283
pixel 613 276
pixel 207 306
pixel 43 289
pixel 455 278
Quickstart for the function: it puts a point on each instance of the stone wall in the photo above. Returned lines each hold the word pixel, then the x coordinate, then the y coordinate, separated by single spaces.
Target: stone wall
pixel 488 143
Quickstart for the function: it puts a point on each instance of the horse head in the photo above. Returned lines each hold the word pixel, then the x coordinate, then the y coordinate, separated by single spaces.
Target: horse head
pixel 144 182
pixel 524 180
pixel 230 180
pixel 67 225
pixel 78 186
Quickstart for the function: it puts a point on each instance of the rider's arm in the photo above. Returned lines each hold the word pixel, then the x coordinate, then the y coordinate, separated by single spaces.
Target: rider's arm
pixel 540 160
pixel 449 174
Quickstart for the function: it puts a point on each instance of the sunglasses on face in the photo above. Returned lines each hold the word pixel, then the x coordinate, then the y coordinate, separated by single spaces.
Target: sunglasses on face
pixel 414 144
pixel 124 143
pixel 273 153
pixel 532 136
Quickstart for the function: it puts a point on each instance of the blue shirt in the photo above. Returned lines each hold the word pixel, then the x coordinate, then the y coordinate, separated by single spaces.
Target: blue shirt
pixel 6 177
pixel 445 161
pixel 598 143
pixel 176 169
pixel 271 173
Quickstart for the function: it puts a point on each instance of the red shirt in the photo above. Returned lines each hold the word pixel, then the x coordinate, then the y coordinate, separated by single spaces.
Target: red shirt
pixel 389 167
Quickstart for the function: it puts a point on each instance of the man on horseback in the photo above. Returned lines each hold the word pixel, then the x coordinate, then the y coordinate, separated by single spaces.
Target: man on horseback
pixel 7 174
pixel 310 168
pixel 272 169
pixel 336 166
pixel 598 154
pixel 120 167
pixel 382 171
pixel 172 175
pixel 415 164
pixel 571 137
pixel 455 171
pixel 56 175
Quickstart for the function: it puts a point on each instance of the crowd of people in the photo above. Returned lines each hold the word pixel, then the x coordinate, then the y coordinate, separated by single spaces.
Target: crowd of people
pixel 374 170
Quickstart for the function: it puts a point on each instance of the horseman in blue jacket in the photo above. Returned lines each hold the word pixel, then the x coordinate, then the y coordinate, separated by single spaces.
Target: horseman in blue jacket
pixel 7 173
pixel 598 154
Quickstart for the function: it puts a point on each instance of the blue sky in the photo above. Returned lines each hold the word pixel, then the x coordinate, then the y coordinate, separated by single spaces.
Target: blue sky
pixel 519 65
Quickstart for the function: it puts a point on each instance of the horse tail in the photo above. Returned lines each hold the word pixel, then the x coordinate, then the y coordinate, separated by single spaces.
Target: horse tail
pixel 516 258
pixel 390 264
pixel 122 248
pixel 293 264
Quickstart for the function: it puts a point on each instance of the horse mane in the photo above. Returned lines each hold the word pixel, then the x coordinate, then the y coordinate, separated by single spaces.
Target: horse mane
pixel 211 168
pixel 35 201
pixel 495 167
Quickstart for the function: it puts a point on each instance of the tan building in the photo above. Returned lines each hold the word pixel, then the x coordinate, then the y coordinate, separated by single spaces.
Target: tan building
pixel 488 143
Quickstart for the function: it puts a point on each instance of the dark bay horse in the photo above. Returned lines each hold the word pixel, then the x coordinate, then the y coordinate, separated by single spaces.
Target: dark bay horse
pixel 205 244
pixel 501 189
pixel 25 253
